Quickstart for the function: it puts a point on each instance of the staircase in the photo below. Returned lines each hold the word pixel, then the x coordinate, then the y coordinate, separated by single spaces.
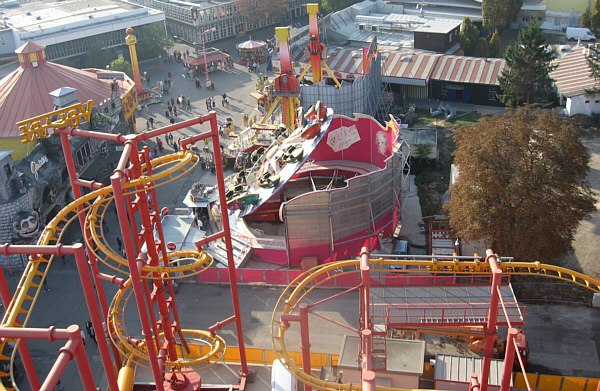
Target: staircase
pixel 241 251
pixel 379 353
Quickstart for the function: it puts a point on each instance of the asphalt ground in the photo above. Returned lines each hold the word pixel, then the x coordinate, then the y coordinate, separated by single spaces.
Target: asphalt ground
pixel 562 338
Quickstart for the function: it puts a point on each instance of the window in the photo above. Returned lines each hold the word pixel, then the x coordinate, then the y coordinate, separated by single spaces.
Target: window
pixel 525 18
pixel 493 94
pixel 587 101
pixel 444 89
pixel 597 101
pixel 539 18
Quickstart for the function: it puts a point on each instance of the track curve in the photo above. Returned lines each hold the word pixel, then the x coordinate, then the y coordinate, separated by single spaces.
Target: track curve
pixel 165 169
pixel 306 282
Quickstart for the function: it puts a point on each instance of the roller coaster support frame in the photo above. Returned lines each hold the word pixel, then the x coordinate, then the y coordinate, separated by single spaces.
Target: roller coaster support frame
pixel 5 295
pixel 368 376
pixel 117 180
pixel 225 233
pixel 509 359
pixel 73 348
pixel 474 384
pixel 93 262
pixel 214 134
pixel 492 321
pixel 302 317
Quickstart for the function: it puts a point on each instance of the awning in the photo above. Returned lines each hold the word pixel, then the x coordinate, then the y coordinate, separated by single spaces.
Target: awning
pixel 187 201
pixel 210 57
pixel 257 95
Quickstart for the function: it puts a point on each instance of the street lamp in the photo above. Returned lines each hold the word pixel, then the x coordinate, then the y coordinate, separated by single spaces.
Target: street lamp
pixel 208 83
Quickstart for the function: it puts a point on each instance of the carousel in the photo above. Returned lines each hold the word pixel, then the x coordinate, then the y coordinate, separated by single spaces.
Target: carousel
pixel 251 51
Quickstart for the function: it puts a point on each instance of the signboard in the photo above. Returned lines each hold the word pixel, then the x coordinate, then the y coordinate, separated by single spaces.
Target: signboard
pixel 129 102
pixel 342 137
pixel 38 127
pixel 35 166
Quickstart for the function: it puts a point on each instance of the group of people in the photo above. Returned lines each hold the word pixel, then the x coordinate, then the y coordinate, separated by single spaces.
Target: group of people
pixel 252 66
pixel 90 331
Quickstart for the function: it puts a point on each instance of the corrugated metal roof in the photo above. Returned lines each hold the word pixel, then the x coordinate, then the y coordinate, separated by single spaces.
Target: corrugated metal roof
pixel 572 77
pixel 417 64
pixel 460 368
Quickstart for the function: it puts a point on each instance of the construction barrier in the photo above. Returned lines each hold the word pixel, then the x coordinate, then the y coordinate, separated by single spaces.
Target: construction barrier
pixel 554 383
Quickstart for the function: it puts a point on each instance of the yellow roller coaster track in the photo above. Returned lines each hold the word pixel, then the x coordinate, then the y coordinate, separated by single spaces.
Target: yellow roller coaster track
pixel 298 289
pixel 165 169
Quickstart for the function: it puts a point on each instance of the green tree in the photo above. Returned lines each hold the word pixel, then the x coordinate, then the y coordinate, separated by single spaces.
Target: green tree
pixel 422 152
pixel 498 13
pixel 529 63
pixel 468 37
pixel 522 183
pixel 495 47
pixel 585 18
pixel 595 17
pixel 481 48
pixel 254 10
pixel 336 5
pixel 152 40
pixel 96 57
pixel 122 65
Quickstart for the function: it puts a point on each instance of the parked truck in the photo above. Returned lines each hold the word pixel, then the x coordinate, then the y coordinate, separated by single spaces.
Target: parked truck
pixel 575 33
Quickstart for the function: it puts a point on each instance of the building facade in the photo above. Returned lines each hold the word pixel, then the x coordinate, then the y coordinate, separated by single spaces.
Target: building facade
pixel 70 29
pixel 187 21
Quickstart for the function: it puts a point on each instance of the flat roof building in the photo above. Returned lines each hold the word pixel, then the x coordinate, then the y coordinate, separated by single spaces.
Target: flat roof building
pixel 70 28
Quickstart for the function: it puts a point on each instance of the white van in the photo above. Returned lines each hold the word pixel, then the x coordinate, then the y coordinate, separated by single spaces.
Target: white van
pixel 575 33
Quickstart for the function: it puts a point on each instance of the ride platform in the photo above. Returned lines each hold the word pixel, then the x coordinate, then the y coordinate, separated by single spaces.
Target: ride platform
pixel 440 306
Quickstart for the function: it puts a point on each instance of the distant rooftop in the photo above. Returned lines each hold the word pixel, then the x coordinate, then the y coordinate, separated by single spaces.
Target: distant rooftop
pixel 40 19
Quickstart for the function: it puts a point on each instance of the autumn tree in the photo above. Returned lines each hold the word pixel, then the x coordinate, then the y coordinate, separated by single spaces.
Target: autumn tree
pixel 254 10
pixel 336 5
pixel 498 13
pixel 495 46
pixel 468 37
pixel 522 184
pixel 529 64
pixel 585 18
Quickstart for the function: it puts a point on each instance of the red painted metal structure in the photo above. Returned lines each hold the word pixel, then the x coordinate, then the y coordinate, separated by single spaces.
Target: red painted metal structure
pixel 132 205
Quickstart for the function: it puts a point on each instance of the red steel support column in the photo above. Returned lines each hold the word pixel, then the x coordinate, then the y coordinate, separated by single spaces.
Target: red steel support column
pixel 244 371
pixel 474 384
pixel 32 376
pixel 368 376
pixel 305 342
pixel 490 329
pixel 116 179
pixel 92 304
pixel 509 359
pixel 70 163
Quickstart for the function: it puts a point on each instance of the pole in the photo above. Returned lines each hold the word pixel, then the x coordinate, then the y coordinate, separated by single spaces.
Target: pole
pixel 492 321
pixel 509 359
pixel 204 50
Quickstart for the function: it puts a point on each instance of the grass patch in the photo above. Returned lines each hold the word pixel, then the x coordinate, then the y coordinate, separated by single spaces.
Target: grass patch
pixel 466 119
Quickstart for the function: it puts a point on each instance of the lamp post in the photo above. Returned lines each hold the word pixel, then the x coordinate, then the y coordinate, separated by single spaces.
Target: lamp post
pixel 208 83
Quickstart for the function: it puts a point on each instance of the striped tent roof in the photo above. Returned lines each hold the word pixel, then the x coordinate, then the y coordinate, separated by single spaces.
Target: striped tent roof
pixel 417 64
pixel 572 77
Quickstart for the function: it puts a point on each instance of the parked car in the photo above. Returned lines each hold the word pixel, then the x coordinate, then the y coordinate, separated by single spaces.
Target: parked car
pixel 401 247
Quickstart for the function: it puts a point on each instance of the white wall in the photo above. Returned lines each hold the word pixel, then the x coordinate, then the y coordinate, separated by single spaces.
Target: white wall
pixel 583 104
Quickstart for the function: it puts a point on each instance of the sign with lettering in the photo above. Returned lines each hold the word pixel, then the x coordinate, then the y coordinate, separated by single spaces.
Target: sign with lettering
pixel 38 127
pixel 129 102
pixel 342 137
pixel 35 166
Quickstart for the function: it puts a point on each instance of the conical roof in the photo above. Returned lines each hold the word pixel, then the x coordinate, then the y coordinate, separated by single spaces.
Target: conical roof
pixel 251 44
pixel 24 93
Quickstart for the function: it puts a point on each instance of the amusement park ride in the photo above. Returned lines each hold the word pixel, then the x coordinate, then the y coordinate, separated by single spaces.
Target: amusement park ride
pixel 177 355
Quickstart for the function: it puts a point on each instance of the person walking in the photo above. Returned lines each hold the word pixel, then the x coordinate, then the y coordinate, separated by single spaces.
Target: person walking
pixel 189 104
pixel 83 338
pixel 45 284
pixel 175 110
pixel 147 125
pixel 88 326
pixel 151 119
pixel 167 113
pixel 93 335
pixel 214 102
pixel 197 82
pixel 119 244
pixel 207 104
